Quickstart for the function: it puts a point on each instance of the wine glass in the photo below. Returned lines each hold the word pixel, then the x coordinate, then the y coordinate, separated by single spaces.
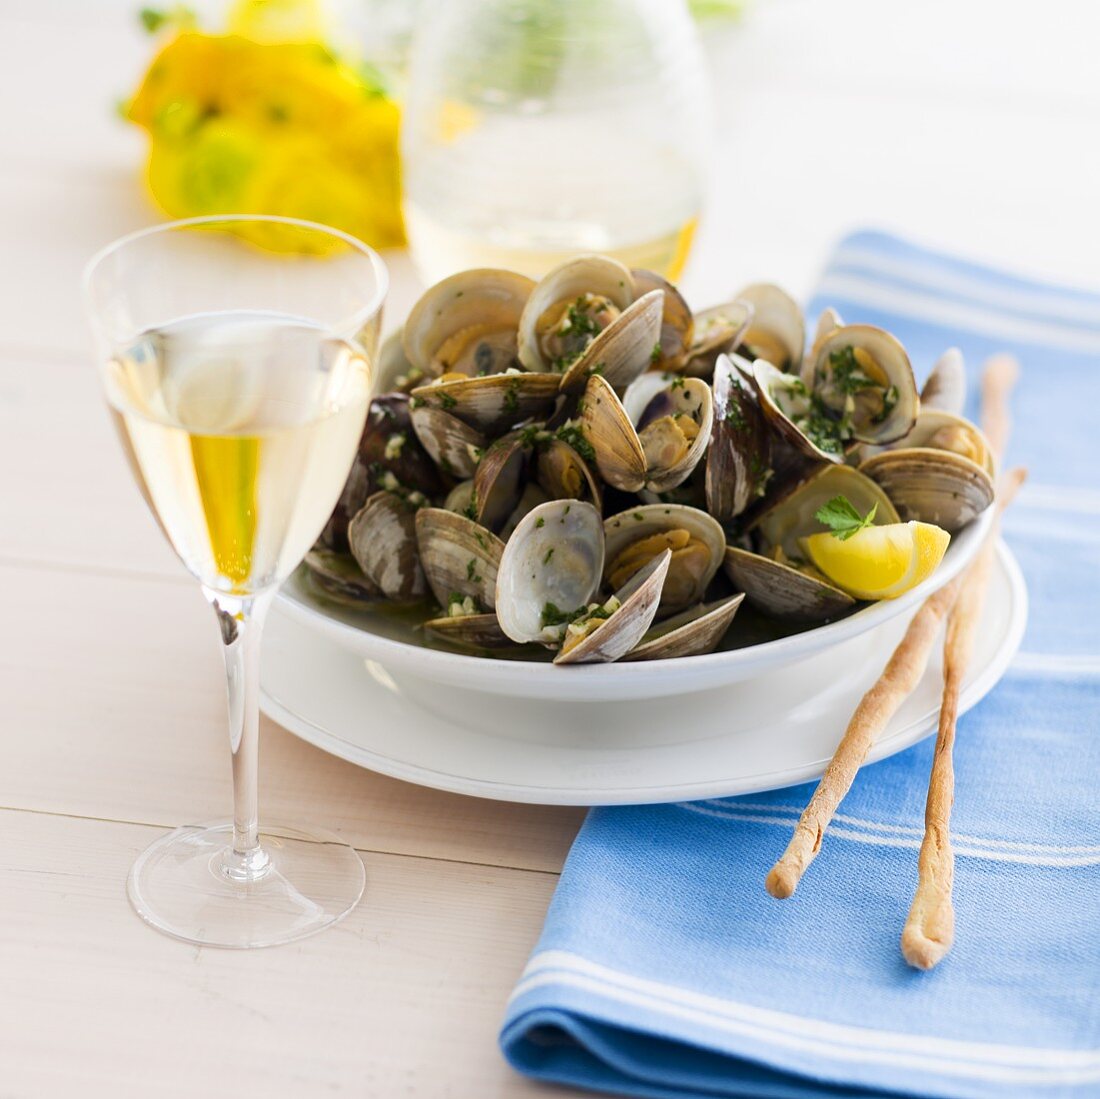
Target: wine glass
pixel 537 129
pixel 236 356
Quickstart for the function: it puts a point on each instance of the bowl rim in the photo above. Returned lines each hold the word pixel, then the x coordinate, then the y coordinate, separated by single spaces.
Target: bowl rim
pixel 962 551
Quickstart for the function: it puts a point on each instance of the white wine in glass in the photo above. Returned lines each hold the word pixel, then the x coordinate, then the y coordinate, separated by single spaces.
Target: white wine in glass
pixel 236 358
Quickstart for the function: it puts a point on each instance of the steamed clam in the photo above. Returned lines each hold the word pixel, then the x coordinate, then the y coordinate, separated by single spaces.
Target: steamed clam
pixel 584 466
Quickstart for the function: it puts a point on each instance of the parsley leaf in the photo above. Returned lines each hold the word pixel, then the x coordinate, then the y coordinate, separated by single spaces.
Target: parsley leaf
pixel 841 517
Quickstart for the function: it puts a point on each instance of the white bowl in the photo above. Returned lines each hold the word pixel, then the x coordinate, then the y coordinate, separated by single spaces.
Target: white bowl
pixel 609 682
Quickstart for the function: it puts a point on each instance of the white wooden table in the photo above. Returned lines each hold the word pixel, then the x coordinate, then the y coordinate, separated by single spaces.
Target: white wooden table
pixel 965 122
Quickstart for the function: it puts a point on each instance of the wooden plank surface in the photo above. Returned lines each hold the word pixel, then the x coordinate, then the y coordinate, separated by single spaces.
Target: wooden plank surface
pixel 970 123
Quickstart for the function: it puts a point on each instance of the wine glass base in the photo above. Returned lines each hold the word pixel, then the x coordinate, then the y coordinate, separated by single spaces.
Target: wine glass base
pixel 179 886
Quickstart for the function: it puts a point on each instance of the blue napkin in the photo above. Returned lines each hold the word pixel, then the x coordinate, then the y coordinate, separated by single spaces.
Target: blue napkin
pixel 664 968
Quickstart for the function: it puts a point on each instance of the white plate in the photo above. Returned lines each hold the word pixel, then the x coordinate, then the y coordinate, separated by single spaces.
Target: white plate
pixel 625 681
pixel 773 730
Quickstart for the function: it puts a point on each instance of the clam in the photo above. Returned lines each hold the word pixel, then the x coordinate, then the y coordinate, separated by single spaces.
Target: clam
pixel 794 416
pixel 454 446
pixel 499 479
pixel 777 331
pixel 472 632
pixel 393 373
pixel 674 419
pixel 775 579
pixel 467 324
pixel 738 462
pixel 549 574
pixel 461 498
pixel 860 379
pixel 718 330
pixel 941 472
pixel 459 558
pixel 826 323
pixel 582 318
pixel 677 331
pixel 564 474
pixel 491 404
pixel 340 578
pixel 693 632
pixel 382 538
pixel 945 387
pixel 696 540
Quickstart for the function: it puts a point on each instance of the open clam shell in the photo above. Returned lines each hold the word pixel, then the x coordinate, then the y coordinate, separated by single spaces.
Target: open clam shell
pixel 613 637
pixel 544 336
pixel 553 560
pixel 393 373
pixel 468 323
pixel 565 475
pixel 941 472
pixel 677 323
pixel 607 427
pixel 454 446
pixel 777 331
pixel 718 330
pixel 382 538
pixel 470 632
pixel 945 387
pixel 782 591
pixel 693 632
pixel 458 556
pixel 623 350
pixel 787 405
pixel 738 461
pixel 494 403
pixel 827 323
pixel 340 578
pixel 862 374
pixel 634 537
pixel 499 479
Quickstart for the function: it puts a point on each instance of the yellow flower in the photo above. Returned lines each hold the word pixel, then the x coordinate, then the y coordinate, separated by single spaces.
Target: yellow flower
pixel 239 126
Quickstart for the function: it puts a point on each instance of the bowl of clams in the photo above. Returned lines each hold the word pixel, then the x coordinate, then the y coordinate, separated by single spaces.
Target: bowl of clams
pixel 580 488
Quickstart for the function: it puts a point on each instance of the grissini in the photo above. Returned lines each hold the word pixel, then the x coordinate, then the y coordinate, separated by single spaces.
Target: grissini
pixel 929 931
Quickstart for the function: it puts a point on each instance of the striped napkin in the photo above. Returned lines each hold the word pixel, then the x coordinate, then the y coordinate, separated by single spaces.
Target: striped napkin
pixel 664 969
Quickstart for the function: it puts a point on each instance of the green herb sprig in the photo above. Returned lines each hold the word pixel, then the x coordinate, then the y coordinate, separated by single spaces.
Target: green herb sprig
pixel 842 518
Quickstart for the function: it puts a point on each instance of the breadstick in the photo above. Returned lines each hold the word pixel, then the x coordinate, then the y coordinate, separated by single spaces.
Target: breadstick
pixel 902 673
pixel 930 929
pixel 998 379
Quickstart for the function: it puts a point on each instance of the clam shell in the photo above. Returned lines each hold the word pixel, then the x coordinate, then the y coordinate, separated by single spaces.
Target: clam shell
pixel 791 517
pixel 621 632
pixel 933 486
pixel 889 354
pixel 498 482
pixel 393 373
pixel 472 632
pixel 783 592
pixel 555 555
pixel 771 385
pixel 340 578
pixel 718 329
pixel 687 396
pixel 677 324
pixel 826 323
pixel 606 425
pixel 458 556
pixel 572 279
pixel 481 302
pixel 382 537
pixel 945 388
pixel 623 350
pixel 777 323
pixel 739 457
pixel 494 403
pixel 693 632
pixel 565 475
pixel 461 497
pixel 454 446
pixel 628 527
pixel 530 498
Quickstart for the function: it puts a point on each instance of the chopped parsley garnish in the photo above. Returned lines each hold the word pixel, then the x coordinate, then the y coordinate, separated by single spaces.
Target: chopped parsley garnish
pixel 572 434
pixel 511 397
pixel 579 321
pixel 554 616
pixel 549 554
pixel 471 571
pixel 847 375
pixel 841 517
pixel 446 401
pixel 655 354
pixel 540 522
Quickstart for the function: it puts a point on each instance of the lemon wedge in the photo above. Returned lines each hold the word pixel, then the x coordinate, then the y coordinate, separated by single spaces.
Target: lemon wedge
pixel 879 562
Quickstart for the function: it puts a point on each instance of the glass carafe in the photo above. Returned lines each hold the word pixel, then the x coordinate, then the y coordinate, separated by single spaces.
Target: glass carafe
pixel 538 129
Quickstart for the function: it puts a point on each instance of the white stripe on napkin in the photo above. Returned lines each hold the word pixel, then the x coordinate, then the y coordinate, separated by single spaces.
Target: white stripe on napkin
pixel 835 1041
pixel 957 283
pixel 930 308
pixel 898 835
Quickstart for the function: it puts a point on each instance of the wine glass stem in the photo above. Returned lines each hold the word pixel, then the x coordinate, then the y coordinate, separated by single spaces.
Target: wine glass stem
pixel 240 620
